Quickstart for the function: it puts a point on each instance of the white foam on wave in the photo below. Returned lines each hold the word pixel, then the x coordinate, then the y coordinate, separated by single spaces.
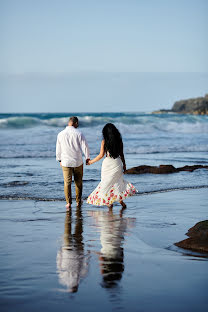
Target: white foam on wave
pixel 19 122
pixel 166 149
pixel 135 124
pixel 165 126
pixel 186 127
pixel 3 123
pixel 56 122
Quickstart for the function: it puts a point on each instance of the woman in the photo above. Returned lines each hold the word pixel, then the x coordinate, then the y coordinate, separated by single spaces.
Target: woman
pixel 112 186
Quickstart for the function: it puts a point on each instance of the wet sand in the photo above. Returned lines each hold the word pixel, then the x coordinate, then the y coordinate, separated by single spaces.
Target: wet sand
pixel 92 259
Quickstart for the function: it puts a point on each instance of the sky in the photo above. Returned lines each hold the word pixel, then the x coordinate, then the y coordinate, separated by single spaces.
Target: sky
pixel 58 38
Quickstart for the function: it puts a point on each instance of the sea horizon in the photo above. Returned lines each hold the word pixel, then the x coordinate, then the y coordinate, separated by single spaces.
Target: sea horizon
pixel 97 91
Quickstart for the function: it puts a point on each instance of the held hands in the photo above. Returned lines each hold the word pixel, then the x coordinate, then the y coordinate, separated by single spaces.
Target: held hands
pixel 88 162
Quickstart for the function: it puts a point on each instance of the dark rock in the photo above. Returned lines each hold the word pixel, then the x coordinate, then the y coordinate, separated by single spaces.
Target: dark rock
pixel 198 238
pixel 162 111
pixel 151 169
pixel 166 169
pixel 191 168
pixel 196 106
pixel 162 169
pixel 199 230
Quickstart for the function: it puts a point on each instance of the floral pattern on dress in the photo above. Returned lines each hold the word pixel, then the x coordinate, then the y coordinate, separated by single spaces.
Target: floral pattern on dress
pixel 112 196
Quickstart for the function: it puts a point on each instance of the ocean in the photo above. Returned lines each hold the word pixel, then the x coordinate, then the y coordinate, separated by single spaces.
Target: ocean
pixel 27 151
pixel 95 258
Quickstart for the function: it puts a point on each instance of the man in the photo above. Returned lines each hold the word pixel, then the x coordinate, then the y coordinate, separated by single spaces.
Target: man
pixel 69 147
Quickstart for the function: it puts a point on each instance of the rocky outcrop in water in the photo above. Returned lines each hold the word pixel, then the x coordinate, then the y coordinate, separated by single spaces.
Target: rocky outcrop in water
pixel 196 106
pixel 162 169
pixel 198 238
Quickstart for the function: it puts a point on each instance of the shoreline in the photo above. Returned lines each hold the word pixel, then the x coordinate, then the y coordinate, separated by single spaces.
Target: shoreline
pixel 186 188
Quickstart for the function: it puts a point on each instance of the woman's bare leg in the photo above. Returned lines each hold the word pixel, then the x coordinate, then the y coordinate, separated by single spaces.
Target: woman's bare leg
pixel 122 204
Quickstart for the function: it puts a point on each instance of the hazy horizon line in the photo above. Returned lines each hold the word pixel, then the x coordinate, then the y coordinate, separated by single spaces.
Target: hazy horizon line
pixel 31 73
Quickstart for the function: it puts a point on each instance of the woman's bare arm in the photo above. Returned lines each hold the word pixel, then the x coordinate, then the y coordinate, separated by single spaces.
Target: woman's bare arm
pixel 100 156
pixel 122 157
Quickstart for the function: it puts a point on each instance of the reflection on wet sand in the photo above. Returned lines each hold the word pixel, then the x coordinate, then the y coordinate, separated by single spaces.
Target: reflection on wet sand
pixel 112 230
pixel 72 264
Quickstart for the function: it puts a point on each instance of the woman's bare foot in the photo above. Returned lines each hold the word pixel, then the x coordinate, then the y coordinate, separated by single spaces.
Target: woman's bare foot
pixel 121 212
pixel 122 204
pixel 68 207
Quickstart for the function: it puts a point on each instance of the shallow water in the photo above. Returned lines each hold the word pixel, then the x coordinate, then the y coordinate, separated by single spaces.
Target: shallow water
pixel 93 259
pixel 27 151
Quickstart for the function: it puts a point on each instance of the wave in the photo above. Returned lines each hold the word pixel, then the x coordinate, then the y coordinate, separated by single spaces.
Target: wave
pixel 129 151
pixel 134 123
pixel 162 149
pixel 19 122
pixel 185 188
pixel 15 183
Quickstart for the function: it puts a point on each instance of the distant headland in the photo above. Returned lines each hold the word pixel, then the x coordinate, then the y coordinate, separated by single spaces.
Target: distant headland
pixel 196 106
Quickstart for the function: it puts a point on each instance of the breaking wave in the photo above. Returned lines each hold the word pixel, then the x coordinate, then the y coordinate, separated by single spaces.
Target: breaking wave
pixel 134 123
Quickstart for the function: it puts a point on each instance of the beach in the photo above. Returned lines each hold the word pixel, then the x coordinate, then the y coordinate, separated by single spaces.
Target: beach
pixel 136 66
pixel 91 258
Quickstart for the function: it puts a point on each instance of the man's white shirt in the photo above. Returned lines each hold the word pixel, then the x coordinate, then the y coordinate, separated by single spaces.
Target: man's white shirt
pixel 69 147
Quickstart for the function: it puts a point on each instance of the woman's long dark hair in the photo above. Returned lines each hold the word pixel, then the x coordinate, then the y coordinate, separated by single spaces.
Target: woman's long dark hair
pixel 113 140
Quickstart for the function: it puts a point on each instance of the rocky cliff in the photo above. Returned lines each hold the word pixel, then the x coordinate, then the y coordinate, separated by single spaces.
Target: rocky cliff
pixel 196 106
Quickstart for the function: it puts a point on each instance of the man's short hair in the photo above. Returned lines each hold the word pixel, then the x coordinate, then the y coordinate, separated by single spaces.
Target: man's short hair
pixel 74 119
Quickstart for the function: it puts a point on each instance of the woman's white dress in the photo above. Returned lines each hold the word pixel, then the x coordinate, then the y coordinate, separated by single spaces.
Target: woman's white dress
pixel 112 187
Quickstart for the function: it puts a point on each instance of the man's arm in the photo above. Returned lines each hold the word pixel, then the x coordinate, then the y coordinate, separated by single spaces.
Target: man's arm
pixel 58 150
pixel 85 147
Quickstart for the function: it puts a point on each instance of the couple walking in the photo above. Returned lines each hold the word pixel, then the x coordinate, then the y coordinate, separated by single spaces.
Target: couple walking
pixel 69 147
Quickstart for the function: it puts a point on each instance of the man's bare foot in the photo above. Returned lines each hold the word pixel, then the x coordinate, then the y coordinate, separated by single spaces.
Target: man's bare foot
pixel 79 204
pixel 122 204
pixel 68 207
